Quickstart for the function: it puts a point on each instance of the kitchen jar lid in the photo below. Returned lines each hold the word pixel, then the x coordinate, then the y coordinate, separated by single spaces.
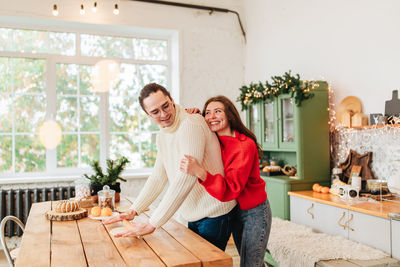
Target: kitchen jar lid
pixel 106 192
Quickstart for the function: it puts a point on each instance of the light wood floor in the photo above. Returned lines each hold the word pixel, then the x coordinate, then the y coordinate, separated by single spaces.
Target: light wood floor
pixel 232 251
pixel 3 260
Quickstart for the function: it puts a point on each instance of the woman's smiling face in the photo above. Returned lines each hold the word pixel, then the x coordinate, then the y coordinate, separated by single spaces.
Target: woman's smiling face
pixel 216 118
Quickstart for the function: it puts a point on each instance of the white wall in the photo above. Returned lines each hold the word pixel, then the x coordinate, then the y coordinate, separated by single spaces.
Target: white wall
pixel 211 46
pixel 353 44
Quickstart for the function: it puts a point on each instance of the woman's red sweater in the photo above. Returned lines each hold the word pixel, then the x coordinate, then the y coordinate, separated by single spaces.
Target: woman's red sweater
pixel 242 179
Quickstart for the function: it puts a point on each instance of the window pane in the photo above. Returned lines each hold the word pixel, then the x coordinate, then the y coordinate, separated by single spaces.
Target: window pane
pixel 152 73
pixel 123 47
pixel 126 145
pixel 106 46
pixel 67 151
pixel 67 77
pixel 123 114
pixel 67 113
pixel 5 153
pixel 29 112
pixel 61 43
pixel 32 41
pixel 28 75
pixel 5 113
pixel 90 149
pixel 5 79
pixel 128 85
pixel 149 149
pixel 5 39
pixel 148 49
pixel 85 82
pixel 89 113
pixel 30 155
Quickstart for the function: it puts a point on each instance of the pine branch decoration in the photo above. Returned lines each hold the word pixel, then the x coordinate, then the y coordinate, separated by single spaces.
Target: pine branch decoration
pixel 286 84
pixel 113 172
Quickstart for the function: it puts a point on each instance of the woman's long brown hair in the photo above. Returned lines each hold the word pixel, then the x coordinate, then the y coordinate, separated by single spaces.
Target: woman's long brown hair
pixel 235 123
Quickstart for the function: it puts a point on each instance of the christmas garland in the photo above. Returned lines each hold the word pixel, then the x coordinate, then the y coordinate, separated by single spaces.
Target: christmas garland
pixel 259 92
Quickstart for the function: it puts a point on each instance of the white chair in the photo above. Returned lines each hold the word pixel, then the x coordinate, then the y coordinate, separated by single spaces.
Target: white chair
pixel 11 256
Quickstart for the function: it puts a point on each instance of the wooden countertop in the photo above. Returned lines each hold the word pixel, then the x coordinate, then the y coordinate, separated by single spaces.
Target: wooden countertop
pixel 381 209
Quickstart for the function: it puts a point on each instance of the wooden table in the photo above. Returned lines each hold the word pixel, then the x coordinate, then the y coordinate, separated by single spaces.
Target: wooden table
pixel 87 242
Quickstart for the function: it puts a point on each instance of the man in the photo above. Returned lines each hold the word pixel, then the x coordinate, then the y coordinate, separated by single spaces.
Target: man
pixel 181 134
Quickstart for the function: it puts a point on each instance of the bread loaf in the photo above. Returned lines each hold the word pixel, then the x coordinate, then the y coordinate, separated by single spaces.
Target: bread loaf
pixel 64 206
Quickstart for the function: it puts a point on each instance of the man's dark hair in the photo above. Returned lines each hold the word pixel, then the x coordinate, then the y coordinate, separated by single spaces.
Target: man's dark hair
pixel 150 89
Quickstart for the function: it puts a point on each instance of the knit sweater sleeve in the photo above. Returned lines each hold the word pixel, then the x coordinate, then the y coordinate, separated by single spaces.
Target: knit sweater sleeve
pixel 237 171
pixel 153 186
pixel 192 142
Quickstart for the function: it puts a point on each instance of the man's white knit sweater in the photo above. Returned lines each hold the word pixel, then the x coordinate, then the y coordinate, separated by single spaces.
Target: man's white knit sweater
pixel 188 135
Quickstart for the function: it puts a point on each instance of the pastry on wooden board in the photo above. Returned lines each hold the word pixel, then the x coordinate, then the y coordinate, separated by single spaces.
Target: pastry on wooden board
pixel 64 206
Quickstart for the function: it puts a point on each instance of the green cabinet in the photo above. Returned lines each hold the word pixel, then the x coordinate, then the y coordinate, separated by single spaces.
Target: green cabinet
pixel 296 136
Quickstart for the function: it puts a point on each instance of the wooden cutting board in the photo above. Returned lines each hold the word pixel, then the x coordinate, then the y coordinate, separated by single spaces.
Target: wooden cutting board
pixel 67 216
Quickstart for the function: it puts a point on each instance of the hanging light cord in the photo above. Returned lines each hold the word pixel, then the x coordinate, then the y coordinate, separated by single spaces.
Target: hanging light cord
pixel 209 8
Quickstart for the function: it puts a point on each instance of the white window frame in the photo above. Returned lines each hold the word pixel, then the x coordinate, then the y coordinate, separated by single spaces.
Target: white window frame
pixel 53 173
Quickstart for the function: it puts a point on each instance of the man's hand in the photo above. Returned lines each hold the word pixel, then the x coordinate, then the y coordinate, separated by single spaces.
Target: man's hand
pixel 137 229
pixel 129 215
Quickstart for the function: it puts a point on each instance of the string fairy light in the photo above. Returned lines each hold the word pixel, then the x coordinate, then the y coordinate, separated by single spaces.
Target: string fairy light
pixel 82 10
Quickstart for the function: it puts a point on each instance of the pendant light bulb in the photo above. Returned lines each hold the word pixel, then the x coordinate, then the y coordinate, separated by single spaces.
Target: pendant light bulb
pixel 116 10
pixel 55 10
pixel 94 8
pixel 82 11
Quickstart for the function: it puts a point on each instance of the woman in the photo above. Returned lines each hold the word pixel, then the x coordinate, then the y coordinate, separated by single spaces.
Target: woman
pixel 240 153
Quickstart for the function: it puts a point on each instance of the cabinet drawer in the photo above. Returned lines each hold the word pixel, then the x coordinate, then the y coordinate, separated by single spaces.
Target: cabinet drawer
pixel 370 230
pixel 302 211
pixel 331 220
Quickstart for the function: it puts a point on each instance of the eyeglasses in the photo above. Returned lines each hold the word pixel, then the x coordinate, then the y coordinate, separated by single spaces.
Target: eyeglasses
pixel 166 107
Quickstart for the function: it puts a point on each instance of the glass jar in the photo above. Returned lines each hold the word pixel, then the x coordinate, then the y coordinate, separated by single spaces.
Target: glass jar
pixel 82 189
pixel 106 198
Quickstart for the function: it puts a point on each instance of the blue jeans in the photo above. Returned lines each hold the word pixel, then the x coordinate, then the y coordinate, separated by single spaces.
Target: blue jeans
pixel 215 230
pixel 250 229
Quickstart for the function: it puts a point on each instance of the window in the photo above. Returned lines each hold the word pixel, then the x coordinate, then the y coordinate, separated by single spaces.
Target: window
pixel 49 74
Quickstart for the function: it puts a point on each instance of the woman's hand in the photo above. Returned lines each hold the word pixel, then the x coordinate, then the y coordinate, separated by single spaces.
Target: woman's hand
pixel 193 110
pixel 191 166
pixel 137 229
pixel 129 215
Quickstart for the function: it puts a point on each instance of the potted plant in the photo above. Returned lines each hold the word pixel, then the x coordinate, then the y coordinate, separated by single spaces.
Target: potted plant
pixel 110 178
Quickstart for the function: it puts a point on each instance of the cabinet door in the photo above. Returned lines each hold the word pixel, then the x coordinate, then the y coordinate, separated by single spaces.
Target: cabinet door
pixel 278 198
pixel 302 211
pixel 370 230
pixel 287 123
pixel 330 219
pixel 269 125
pixel 396 239
pixel 253 115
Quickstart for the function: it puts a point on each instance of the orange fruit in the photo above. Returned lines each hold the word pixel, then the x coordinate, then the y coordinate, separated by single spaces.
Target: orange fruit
pixel 106 212
pixel 315 186
pixel 96 211
pixel 325 190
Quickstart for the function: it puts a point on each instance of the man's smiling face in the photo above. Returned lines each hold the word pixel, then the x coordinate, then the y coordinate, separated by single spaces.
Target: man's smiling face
pixel 160 108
